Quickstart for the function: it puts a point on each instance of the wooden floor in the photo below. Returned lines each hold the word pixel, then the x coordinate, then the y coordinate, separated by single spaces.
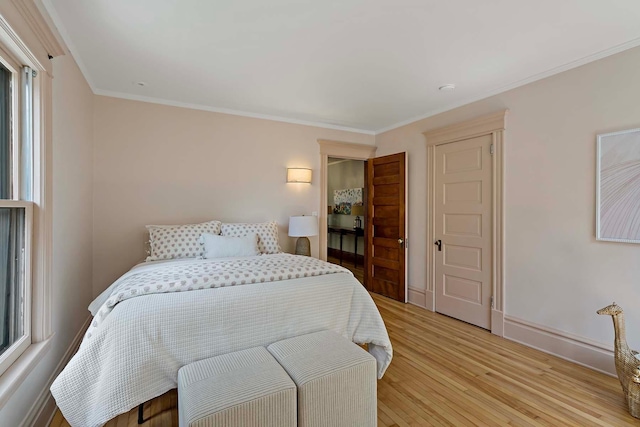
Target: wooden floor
pixel 448 373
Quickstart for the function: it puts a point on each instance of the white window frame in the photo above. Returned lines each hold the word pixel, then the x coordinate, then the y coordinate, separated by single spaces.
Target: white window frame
pixel 12 353
pixel 16 54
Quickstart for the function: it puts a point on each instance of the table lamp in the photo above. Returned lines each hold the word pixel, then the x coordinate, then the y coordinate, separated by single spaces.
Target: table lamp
pixel 302 227
pixel 357 211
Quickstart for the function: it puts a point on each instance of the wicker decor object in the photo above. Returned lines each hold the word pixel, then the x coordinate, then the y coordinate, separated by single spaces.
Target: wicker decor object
pixel 633 395
pixel 626 362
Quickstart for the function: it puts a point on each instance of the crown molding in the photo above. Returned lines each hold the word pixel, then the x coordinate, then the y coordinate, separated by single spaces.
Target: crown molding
pixel 232 112
pixel 501 89
pixel 54 36
pixel 31 13
pixel 17 47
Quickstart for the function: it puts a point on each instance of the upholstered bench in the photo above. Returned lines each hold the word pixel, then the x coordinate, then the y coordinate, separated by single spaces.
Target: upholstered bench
pixel 336 380
pixel 246 388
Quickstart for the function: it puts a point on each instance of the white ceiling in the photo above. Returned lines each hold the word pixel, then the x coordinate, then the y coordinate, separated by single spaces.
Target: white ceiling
pixel 361 64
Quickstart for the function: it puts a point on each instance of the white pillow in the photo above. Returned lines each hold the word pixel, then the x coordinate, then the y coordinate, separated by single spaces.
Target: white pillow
pixel 267 234
pixel 224 246
pixel 178 241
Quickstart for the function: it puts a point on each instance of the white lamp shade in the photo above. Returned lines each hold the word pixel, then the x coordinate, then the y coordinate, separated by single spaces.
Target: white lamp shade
pixel 303 226
pixel 299 175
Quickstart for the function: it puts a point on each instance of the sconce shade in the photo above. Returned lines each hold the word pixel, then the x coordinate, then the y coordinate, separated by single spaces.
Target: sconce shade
pixel 299 175
pixel 303 226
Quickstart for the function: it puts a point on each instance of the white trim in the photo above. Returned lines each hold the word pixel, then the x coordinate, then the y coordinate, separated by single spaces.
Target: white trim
pixel 43 212
pixel 31 13
pixel 41 318
pixel 14 352
pixel 337 162
pixel 494 125
pixel 407 249
pixel 20 370
pixel 564 345
pixel 417 297
pixel 64 34
pixel 9 38
pixel 43 409
pixel 480 126
pixel 497 322
pixel 42 183
pixel 62 31
pixel 229 111
pixel 501 89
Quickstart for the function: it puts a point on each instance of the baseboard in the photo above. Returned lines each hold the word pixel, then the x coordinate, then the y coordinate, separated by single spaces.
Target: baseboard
pixel 561 344
pixel 44 407
pixel 418 297
pixel 497 322
pixel 429 301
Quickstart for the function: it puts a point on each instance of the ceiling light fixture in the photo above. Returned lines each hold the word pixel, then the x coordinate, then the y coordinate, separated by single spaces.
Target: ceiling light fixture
pixel 449 86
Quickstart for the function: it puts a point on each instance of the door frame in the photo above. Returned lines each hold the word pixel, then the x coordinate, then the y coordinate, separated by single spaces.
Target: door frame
pixel 343 150
pixel 494 125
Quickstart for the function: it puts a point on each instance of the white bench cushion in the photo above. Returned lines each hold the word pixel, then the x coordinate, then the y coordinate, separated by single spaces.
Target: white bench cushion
pixel 336 379
pixel 245 388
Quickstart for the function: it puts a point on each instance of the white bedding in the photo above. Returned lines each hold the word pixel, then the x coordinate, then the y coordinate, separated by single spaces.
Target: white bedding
pixel 135 351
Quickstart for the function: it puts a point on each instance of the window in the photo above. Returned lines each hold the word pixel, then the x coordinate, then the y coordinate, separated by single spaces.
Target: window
pixel 16 189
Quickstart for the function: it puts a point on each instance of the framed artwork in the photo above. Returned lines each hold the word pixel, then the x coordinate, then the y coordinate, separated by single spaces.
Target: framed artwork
pixel 618 187
pixel 343 200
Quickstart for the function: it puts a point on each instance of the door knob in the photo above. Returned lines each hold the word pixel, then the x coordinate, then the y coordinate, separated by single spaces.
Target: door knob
pixel 438 243
pixel 400 241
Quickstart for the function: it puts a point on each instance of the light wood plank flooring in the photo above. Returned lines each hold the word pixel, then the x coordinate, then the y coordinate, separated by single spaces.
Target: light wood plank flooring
pixel 448 373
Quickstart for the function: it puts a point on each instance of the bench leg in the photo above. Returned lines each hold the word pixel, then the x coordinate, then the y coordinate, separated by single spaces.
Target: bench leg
pixel 140 416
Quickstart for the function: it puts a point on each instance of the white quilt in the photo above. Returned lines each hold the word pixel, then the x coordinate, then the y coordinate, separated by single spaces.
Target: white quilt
pixel 134 350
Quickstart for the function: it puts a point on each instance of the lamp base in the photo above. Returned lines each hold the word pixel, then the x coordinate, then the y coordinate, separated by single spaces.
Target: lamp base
pixel 303 246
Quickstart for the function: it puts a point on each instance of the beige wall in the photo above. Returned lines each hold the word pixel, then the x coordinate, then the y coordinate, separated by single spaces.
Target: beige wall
pixel 72 229
pixel 557 274
pixel 156 164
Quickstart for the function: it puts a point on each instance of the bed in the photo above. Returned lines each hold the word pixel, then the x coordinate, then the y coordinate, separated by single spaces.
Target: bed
pixel 162 315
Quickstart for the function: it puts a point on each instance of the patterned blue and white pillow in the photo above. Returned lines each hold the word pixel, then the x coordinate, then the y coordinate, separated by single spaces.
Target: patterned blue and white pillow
pixel 179 241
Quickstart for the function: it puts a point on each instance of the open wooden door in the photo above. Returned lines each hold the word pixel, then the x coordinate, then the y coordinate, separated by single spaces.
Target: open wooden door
pixel 385 228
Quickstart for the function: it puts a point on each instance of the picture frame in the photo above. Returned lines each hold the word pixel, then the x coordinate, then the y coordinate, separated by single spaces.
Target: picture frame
pixel 618 187
pixel 344 200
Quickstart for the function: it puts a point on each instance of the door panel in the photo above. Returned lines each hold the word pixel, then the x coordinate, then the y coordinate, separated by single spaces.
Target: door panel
pixel 386 212
pixel 463 224
pixel 464 289
pixel 387 190
pixel 386 226
pixel 463 257
pixel 388 253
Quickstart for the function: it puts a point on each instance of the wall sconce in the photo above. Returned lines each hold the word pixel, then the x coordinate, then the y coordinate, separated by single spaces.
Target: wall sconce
pixel 299 175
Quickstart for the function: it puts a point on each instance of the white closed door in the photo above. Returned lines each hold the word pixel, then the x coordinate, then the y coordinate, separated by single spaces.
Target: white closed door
pixel 463 234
